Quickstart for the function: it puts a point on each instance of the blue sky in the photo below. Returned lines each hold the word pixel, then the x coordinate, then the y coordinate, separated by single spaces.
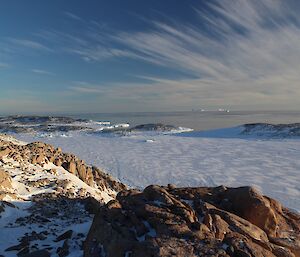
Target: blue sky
pixel 117 56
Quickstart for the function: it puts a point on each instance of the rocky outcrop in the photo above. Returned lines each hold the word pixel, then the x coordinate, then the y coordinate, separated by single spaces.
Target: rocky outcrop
pixel 154 127
pixel 272 130
pixel 169 221
pixel 49 202
pixel 46 124
pixel 39 153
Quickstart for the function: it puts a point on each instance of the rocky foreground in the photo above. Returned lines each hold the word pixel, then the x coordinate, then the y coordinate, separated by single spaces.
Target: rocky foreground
pixel 48 202
pixel 47 199
pixel 188 222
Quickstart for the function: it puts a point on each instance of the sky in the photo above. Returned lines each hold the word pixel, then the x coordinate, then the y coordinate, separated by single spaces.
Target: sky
pixel 77 56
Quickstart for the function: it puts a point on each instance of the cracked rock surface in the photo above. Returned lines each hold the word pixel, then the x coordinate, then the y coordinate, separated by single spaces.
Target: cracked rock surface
pixel 169 221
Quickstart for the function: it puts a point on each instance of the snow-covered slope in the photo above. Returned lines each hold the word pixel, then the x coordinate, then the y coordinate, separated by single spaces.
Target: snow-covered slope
pixel 254 130
pixel 140 159
pixel 42 206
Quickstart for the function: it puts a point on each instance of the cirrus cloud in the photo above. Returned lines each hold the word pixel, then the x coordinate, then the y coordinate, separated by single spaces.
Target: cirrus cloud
pixel 241 53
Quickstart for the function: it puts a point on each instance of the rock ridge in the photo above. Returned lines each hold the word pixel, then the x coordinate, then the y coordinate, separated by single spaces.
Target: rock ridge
pixel 47 199
pixel 41 154
pixel 169 221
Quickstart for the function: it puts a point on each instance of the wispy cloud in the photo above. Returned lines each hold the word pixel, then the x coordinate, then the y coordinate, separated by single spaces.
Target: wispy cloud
pixel 163 93
pixel 29 44
pixel 86 89
pixel 43 72
pixel 240 53
pixel 244 37
pixel 73 16
pixel 235 53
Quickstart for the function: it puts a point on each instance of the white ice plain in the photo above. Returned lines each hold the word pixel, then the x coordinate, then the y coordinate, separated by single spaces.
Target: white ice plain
pixel 140 159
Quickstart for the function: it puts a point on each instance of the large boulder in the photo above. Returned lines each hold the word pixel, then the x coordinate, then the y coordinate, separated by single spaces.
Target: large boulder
pixel 189 222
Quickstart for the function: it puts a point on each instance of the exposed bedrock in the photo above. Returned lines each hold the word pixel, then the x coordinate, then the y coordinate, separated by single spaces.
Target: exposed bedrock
pixel 203 221
pixel 39 153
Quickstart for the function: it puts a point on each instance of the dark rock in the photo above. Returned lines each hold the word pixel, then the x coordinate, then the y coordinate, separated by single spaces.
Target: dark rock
pixel 18 247
pixel 15 124
pixel 66 235
pixel 38 253
pixel 154 127
pixel 272 130
pixel 23 251
pixel 64 250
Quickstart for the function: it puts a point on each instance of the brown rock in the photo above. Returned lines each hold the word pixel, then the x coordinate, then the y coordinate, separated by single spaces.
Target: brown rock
pixel 70 166
pixel 5 180
pixel 41 153
pixel 170 221
pixel 58 162
pixel 81 172
pixel 4 151
pixel 40 159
